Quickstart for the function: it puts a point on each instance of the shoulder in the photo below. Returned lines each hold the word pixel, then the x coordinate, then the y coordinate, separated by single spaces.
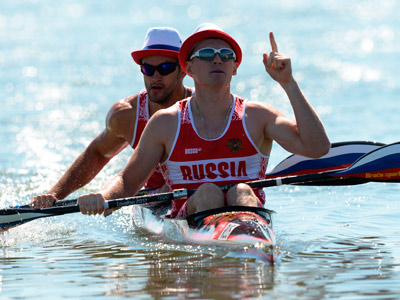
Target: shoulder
pixel 164 120
pixel 166 114
pixel 122 115
pixel 261 116
pixel 123 106
pixel 256 108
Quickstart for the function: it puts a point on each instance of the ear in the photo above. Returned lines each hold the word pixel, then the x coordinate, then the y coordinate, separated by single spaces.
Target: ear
pixel 235 67
pixel 189 70
pixel 182 74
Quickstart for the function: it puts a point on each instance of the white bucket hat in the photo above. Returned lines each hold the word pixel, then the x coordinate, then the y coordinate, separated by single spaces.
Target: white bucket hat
pixel 159 41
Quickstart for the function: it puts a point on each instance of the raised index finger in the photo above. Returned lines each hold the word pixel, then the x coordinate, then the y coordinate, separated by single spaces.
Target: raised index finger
pixel 273 43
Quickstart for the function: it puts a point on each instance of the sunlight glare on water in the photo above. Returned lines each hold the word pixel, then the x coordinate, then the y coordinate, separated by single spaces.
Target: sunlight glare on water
pixel 62 66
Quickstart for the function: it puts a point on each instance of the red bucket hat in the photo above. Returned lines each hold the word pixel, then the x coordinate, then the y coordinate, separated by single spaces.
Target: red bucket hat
pixel 202 32
pixel 159 41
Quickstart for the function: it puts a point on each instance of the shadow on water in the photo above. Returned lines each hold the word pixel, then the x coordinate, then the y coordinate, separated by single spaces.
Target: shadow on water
pixel 91 264
pixel 79 258
pixel 95 269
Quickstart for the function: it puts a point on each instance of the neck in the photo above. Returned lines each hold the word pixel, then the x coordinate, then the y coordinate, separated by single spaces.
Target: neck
pixel 179 93
pixel 213 101
pixel 211 120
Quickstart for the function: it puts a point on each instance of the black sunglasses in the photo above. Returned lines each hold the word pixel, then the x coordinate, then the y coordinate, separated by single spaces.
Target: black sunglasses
pixel 163 69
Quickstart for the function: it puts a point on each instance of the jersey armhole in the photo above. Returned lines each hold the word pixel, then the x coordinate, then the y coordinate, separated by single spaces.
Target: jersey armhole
pixel 247 133
pixel 176 136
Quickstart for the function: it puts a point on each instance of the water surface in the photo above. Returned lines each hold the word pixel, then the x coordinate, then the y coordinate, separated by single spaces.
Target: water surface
pixel 63 64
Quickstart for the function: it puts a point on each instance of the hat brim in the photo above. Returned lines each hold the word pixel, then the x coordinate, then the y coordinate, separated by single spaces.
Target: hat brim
pixel 138 55
pixel 192 40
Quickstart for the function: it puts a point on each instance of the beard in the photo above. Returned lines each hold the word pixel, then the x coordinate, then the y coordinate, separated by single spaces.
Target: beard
pixel 161 93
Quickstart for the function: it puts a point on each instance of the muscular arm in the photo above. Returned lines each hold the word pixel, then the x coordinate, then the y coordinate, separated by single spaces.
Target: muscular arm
pixel 88 164
pixel 113 139
pixel 306 136
pixel 152 149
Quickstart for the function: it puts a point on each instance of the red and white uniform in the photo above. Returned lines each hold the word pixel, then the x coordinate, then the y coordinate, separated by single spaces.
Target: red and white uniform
pixel 142 117
pixel 231 158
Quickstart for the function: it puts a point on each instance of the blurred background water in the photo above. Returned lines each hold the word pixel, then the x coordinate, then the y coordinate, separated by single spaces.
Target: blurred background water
pixel 63 64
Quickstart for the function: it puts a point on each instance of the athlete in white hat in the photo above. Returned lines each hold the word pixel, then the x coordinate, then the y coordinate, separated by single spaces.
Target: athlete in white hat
pixel 126 119
pixel 214 137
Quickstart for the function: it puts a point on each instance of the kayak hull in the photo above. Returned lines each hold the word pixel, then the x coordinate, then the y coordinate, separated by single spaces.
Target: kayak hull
pixel 243 231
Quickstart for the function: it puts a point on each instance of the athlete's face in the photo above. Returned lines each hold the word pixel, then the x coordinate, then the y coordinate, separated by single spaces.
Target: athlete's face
pixel 161 87
pixel 215 71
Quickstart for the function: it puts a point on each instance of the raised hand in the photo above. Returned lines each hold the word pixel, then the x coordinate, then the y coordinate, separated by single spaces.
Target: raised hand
pixel 277 65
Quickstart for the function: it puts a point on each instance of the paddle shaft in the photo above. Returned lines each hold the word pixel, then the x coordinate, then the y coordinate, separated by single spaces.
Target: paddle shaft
pixel 304 179
pixel 71 202
pixel 341 155
pixel 14 216
pixel 380 165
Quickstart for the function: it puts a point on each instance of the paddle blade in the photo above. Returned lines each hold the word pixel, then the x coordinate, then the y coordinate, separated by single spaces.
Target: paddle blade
pixel 12 217
pixel 382 164
pixel 340 156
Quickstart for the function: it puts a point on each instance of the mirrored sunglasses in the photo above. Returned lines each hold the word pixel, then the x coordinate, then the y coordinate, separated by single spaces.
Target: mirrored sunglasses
pixel 209 54
pixel 163 69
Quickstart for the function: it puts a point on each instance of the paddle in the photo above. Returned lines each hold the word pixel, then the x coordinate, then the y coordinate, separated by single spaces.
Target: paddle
pixel 341 155
pixel 381 164
pixel 13 216
pixel 69 202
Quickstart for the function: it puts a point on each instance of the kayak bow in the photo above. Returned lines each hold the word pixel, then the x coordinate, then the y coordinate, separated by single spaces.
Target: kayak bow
pixel 243 231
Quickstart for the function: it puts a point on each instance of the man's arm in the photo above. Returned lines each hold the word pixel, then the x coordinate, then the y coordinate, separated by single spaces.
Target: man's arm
pixel 152 149
pixel 88 164
pixel 307 135
pixel 114 138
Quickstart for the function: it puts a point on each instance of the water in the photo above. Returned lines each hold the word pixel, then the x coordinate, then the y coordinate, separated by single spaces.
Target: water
pixel 63 64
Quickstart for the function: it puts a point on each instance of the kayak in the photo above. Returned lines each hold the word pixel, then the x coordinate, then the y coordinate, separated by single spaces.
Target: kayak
pixel 243 231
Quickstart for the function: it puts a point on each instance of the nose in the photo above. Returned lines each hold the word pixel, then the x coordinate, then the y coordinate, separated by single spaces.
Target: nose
pixel 157 75
pixel 217 58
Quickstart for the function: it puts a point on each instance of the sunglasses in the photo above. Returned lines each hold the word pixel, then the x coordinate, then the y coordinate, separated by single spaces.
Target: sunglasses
pixel 209 54
pixel 163 69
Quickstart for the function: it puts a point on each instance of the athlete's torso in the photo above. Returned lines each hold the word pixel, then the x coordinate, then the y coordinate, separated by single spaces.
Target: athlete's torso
pixel 230 158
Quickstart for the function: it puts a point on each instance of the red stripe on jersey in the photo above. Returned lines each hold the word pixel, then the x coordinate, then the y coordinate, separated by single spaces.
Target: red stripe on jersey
pixel 142 117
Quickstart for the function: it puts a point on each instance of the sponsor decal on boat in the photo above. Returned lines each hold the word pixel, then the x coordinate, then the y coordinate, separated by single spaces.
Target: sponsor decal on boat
pixel 383 175
pixel 227 231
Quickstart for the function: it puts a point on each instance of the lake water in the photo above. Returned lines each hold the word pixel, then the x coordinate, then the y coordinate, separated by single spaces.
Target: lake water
pixel 63 64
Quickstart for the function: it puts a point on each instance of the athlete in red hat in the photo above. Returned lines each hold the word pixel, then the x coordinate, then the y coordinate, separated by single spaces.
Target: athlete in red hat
pixel 126 119
pixel 214 137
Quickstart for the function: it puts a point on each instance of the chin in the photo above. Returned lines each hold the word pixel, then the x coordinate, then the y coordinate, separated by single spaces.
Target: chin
pixel 159 98
pixel 156 96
